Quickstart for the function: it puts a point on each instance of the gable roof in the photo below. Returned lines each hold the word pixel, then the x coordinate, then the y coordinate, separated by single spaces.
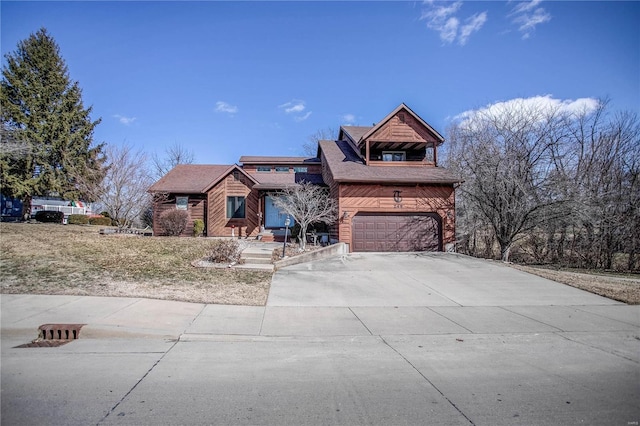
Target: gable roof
pixel 194 178
pixel 345 165
pixel 359 135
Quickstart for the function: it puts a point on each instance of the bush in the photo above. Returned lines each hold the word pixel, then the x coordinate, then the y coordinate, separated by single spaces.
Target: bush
pixel 49 216
pixel 198 227
pixel 224 251
pixel 174 221
pixel 101 221
pixel 78 219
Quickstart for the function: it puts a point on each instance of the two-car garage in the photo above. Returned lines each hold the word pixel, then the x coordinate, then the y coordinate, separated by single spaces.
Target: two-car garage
pixel 382 232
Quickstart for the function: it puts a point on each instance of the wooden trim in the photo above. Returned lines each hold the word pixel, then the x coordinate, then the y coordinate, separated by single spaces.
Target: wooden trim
pixel 402 163
pixel 367 152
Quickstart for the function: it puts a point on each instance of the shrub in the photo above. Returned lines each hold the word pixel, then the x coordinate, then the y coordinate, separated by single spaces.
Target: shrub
pixel 78 219
pixel 224 251
pixel 49 216
pixel 101 221
pixel 105 214
pixel 174 221
pixel 198 227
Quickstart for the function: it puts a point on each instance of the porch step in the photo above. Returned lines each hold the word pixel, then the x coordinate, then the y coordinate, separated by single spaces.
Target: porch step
pixel 258 255
pixel 256 260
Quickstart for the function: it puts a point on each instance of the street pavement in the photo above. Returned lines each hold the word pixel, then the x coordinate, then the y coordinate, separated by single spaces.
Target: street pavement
pixel 371 339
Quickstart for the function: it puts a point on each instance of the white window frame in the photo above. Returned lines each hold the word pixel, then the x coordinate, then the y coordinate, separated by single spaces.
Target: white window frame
pixel 393 153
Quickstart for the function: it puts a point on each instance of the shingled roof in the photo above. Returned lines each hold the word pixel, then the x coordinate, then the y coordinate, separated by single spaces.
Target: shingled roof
pixel 193 178
pixel 346 165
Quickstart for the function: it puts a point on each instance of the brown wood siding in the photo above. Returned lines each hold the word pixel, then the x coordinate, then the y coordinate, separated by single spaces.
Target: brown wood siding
pixel 363 198
pixel 196 208
pixel 395 130
pixel 233 185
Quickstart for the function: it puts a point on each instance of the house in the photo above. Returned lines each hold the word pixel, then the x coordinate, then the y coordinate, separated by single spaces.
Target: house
pixel 390 191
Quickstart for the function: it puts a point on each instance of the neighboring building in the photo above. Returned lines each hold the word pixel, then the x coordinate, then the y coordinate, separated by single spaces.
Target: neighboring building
pixel 11 208
pixel 391 194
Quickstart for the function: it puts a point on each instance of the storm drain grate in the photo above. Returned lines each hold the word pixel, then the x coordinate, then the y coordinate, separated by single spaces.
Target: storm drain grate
pixel 53 335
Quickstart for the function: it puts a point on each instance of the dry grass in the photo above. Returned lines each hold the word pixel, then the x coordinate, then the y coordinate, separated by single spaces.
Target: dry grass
pixel 614 286
pixel 76 259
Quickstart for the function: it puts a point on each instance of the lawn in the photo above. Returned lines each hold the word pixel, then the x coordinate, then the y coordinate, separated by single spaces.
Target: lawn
pixel 76 260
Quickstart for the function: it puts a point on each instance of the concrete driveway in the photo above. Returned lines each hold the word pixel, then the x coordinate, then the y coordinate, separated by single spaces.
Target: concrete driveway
pixel 372 339
pixel 418 279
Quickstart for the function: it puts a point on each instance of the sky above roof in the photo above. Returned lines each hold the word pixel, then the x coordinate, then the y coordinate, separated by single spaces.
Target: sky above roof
pixel 226 79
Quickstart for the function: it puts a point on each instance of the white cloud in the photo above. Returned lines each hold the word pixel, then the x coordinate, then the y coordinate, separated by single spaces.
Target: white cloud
pixel 472 24
pixel 302 117
pixel 443 19
pixel 222 106
pixel 348 119
pixel 294 108
pixel 539 105
pixel 127 121
pixel 527 15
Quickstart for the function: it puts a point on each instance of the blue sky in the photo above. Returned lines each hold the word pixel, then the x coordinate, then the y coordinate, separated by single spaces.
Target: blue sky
pixel 226 79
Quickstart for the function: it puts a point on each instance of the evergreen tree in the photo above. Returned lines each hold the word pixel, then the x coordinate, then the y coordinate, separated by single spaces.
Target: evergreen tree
pixel 43 115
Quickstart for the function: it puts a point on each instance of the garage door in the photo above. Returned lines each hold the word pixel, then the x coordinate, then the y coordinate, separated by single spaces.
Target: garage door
pixel 376 232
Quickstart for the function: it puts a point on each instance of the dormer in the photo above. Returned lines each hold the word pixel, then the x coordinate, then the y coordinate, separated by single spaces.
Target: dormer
pixel 402 138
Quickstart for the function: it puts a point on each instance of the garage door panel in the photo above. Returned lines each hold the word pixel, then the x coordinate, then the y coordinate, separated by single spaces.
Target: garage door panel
pixel 396 232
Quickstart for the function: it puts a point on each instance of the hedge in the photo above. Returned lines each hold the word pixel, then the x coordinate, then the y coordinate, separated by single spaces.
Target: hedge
pixel 102 221
pixel 78 219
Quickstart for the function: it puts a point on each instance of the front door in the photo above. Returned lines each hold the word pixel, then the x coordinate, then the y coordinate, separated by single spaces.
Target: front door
pixel 274 218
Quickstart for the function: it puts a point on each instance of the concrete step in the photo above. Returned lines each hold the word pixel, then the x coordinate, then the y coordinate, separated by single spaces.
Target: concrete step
pixel 256 260
pixel 255 267
pixel 259 251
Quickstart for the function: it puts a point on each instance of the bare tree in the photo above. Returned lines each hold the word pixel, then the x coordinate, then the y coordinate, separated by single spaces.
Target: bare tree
pixel 307 204
pixel 504 155
pixel 310 147
pixel 123 191
pixel 173 155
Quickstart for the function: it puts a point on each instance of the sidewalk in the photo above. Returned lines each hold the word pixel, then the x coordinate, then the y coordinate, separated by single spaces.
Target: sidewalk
pixel 142 361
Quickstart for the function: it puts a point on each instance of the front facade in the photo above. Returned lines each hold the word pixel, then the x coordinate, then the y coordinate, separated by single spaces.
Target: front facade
pixel 391 194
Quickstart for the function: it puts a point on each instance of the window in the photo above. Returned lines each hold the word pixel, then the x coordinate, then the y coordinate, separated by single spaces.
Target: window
pixel 263 168
pixel 393 156
pixel 235 207
pixel 181 203
pixel 300 169
pixel 282 169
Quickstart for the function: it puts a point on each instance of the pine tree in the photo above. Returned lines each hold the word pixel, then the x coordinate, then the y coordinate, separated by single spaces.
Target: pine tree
pixel 47 133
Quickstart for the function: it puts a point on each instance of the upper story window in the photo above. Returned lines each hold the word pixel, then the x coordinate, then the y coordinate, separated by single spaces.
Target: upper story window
pixel 263 168
pixel 300 169
pixel 282 169
pixel 394 156
pixel 182 203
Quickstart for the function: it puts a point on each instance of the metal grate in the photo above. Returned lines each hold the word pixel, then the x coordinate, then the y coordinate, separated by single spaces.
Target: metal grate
pixel 53 335
pixel 59 331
